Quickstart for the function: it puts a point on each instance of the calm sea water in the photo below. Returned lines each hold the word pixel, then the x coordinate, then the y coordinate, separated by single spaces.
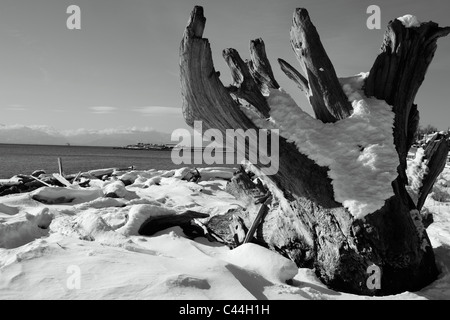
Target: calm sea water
pixel 24 159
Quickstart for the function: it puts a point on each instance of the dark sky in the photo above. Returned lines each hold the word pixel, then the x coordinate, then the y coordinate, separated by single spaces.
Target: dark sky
pixel 121 68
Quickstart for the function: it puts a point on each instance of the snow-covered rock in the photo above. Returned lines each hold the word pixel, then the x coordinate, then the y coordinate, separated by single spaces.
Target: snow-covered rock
pixel 271 265
pixel 116 189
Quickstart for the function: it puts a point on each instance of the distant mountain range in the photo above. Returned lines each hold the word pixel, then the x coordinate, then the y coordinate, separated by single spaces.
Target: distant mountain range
pixel 19 134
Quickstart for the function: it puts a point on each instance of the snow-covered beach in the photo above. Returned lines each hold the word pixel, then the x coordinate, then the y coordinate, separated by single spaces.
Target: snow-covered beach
pixel 213 151
pixel 89 248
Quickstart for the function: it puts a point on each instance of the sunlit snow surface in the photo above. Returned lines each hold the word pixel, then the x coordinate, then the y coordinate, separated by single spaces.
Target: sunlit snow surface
pixel 43 248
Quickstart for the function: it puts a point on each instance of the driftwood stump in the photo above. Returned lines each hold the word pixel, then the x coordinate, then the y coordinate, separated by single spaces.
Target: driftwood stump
pixel 305 222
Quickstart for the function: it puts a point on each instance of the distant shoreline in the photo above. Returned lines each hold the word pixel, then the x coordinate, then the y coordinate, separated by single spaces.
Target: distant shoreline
pixel 59 145
pixel 170 148
pixel 23 159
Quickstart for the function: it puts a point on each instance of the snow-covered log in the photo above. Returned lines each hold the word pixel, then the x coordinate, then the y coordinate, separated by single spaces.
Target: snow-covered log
pixel 161 222
pixel 339 211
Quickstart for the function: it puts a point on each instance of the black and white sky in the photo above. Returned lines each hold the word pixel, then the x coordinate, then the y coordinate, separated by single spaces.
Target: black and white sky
pixel 121 69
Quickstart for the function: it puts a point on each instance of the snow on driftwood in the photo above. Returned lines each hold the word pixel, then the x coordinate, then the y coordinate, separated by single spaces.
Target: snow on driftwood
pixel 14 181
pixel 55 195
pixel 409 21
pixel 416 170
pixel 358 150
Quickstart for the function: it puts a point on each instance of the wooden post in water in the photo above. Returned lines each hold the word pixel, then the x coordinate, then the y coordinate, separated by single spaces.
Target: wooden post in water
pixel 60 167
